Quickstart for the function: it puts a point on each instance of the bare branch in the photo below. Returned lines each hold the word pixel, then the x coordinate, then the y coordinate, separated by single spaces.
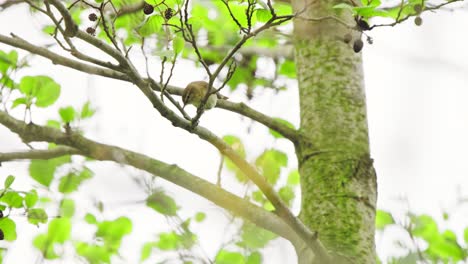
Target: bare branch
pixel 39 154
pixel 18 42
pixel 70 27
pixel 172 173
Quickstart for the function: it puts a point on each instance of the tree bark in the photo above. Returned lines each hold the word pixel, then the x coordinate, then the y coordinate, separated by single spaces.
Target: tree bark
pixel 338 181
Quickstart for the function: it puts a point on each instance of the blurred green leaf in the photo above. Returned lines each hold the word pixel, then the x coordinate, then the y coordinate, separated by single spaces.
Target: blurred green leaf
pixel 288 69
pixel 59 230
pixel 9 181
pixel 383 219
pixel 43 170
pixel 294 178
pixel 70 182
pixel 90 219
pixel 162 203
pixel 87 111
pixel 151 26
pixel 67 114
pixel 200 216
pixel 270 163
pixel 67 208
pixel 287 194
pixel 93 253
pixel 263 15
pixel 37 216
pixel 8 227
pixel 12 199
pixel 169 241
pixel 229 257
pixel 43 88
pixel 178 44
pixel 31 198
pixel 254 237
pixel 254 258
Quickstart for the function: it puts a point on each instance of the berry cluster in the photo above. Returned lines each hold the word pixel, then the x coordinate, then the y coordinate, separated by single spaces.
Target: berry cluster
pixel 92 30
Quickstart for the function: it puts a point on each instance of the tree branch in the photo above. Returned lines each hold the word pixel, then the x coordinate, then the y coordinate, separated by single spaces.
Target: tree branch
pixel 239 108
pixel 39 154
pixel 80 145
pixel 280 208
pixel 18 42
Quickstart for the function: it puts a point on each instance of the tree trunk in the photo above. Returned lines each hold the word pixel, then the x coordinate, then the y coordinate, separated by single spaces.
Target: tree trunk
pixel 338 180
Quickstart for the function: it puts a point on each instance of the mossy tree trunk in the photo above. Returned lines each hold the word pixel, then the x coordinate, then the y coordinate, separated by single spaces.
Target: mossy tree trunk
pixel 338 181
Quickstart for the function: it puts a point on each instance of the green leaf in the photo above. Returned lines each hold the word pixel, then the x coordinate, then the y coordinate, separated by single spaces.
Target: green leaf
pixel 59 230
pixel 254 237
pixel 87 111
pixel 12 199
pixel 43 170
pixel 383 219
pixel 178 44
pixel 19 101
pixel 200 216
pixel 93 253
pixel 90 219
pixel 465 235
pixel 152 25
pixel 112 232
pixel 31 198
pixel 8 61
pixel 37 216
pixel 43 88
pixel 42 243
pixel 254 258
pixel 294 178
pixel 9 181
pixel 343 6
pixel 53 123
pixel 424 227
pixel 70 182
pixel 288 69
pixel 8 227
pixel 446 247
pixel 287 194
pixel 284 122
pixel 169 241
pixel 67 208
pixel 162 203
pixel 263 15
pixel 49 29
pixel 229 257
pixel 270 163
pixel 146 250
pixel 67 114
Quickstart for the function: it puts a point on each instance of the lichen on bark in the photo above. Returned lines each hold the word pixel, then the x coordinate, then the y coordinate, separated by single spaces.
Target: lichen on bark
pixel 338 181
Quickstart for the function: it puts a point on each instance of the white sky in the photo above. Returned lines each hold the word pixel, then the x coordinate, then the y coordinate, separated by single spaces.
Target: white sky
pixel 417 89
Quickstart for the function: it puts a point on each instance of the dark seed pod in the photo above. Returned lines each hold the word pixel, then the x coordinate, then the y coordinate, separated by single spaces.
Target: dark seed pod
pixel 357 45
pixel 92 17
pixel 168 13
pixel 2 235
pixel 362 24
pixel 417 8
pixel 418 21
pixel 90 30
pixel 1 214
pixel 148 9
pixel 347 38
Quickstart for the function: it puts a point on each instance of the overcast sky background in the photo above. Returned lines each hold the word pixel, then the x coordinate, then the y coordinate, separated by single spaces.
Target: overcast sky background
pixel 417 92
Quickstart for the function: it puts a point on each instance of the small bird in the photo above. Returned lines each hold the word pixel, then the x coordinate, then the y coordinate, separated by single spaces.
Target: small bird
pixel 195 92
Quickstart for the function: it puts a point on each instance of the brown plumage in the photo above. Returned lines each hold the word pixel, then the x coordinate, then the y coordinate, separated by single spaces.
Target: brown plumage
pixel 196 91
